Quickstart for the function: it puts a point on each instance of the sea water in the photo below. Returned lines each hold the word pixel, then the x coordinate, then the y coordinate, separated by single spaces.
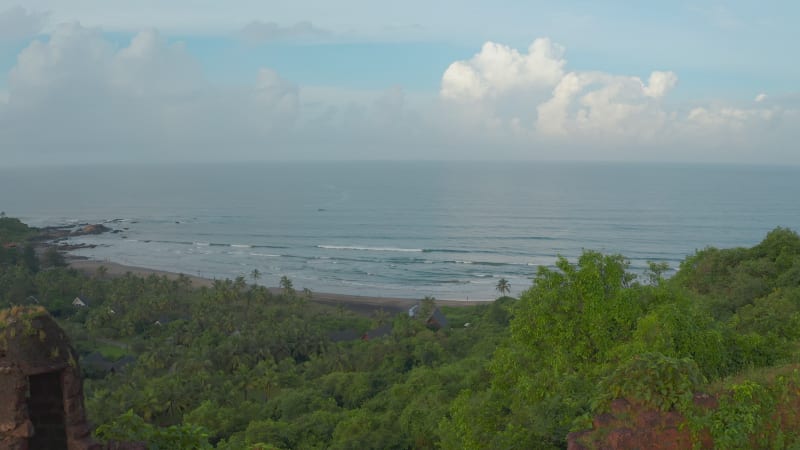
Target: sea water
pixel 403 229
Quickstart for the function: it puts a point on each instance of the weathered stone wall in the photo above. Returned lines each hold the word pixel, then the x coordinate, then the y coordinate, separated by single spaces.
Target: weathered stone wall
pixel 14 426
pixel 41 390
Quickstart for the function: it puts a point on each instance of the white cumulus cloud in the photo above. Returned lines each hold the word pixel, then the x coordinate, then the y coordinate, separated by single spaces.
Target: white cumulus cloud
pixel 512 91
pixel 498 69
pixel 598 103
pixel 531 100
pixel 660 83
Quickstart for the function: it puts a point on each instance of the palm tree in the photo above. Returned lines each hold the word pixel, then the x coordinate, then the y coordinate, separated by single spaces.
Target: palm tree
pixel 286 285
pixel 503 287
pixel 255 275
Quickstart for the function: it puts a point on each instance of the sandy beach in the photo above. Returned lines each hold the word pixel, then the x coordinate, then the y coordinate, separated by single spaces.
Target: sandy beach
pixel 356 303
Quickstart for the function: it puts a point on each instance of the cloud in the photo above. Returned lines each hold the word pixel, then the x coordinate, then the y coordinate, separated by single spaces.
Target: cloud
pixel 77 95
pixel 660 83
pixel 498 69
pixel 720 132
pixel 531 100
pixel 73 59
pixel 598 103
pixel 511 91
pixel 277 100
pixel 79 63
pixel 728 119
pixel 261 32
pixel 151 65
pixel 19 23
pixel 760 97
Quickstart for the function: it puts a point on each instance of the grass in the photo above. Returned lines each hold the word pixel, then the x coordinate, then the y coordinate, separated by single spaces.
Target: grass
pixel 459 315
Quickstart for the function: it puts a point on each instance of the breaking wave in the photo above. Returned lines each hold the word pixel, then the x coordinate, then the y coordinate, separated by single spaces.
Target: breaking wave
pixel 370 249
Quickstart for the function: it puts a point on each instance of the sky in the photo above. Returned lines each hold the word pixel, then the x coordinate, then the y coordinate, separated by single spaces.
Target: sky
pixel 99 81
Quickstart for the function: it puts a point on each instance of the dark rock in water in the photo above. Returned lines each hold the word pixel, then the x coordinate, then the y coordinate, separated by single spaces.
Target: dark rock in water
pixel 71 247
pixel 91 229
pixel 62 232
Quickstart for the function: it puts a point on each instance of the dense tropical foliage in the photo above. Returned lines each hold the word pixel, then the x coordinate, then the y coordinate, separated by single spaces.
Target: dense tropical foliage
pixel 236 366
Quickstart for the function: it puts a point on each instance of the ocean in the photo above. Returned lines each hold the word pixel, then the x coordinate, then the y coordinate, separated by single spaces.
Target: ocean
pixel 403 229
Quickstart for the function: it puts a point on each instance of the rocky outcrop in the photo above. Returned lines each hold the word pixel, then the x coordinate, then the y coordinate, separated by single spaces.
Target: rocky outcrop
pixel 58 233
pixel 91 229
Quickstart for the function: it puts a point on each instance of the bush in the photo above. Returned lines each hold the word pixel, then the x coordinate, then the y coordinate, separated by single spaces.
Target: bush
pixel 654 380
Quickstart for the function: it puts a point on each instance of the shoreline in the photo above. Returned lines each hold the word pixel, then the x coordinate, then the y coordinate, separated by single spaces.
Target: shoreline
pixel 357 303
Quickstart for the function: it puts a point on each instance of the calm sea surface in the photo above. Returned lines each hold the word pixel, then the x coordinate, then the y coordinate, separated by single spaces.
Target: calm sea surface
pixel 403 229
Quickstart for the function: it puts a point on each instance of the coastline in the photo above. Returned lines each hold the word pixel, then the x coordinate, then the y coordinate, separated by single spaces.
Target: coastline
pixel 356 303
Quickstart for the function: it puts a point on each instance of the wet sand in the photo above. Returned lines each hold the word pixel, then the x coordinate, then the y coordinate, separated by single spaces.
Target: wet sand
pixel 356 303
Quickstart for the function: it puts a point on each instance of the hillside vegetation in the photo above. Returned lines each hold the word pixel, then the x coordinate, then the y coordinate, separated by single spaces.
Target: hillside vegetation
pixel 13 230
pixel 235 367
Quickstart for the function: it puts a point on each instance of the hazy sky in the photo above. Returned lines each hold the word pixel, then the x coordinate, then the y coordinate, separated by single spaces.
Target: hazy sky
pixel 191 80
